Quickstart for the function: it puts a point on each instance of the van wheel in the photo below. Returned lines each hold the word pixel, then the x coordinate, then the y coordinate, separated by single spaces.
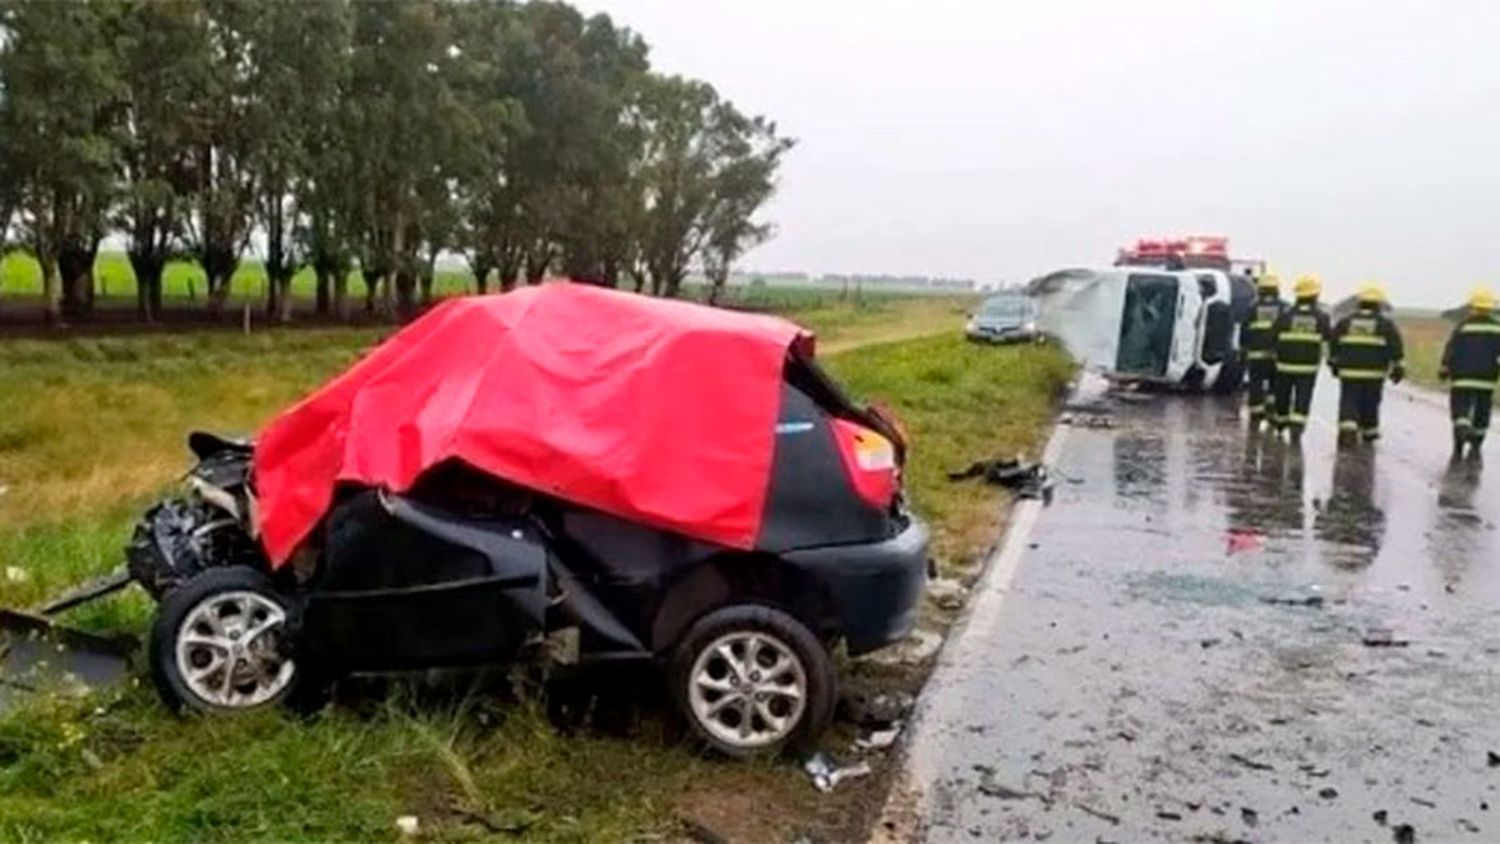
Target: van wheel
pixel 219 645
pixel 751 680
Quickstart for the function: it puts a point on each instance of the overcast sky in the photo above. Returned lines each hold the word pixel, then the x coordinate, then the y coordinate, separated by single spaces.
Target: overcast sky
pixel 997 140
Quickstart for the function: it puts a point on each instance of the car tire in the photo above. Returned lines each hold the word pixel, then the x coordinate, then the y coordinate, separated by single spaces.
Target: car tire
pixel 219 644
pixel 751 680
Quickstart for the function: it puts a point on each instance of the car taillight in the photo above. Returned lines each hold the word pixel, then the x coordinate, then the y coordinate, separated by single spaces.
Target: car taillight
pixel 870 460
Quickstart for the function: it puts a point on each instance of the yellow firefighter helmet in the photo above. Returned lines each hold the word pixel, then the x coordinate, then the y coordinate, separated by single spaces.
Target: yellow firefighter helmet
pixel 1308 287
pixel 1371 294
pixel 1481 299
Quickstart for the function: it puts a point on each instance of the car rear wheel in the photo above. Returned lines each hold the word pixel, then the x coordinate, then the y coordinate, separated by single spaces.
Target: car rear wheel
pixel 751 680
pixel 219 644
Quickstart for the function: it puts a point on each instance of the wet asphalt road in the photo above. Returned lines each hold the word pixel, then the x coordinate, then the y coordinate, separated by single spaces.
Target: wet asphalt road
pixel 1209 636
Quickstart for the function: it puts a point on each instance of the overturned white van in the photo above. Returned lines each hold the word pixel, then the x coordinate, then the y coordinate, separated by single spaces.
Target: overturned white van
pixel 1168 327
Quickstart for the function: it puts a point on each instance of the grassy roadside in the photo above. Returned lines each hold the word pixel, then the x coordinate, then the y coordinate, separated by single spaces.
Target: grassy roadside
pixel 91 428
pixel 1424 337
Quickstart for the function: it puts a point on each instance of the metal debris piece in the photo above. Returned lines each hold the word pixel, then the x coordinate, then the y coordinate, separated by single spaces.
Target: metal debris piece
pixel 1026 480
pixel 1313 601
pixel 1383 637
pixel 827 774
pixel 1099 421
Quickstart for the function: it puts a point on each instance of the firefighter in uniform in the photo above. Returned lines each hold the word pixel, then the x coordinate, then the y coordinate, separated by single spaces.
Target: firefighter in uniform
pixel 1365 349
pixel 1471 365
pixel 1300 336
pixel 1259 344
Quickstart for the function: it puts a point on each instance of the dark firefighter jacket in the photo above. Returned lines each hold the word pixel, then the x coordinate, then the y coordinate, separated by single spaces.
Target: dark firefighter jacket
pixel 1472 356
pixel 1256 337
pixel 1365 345
pixel 1300 333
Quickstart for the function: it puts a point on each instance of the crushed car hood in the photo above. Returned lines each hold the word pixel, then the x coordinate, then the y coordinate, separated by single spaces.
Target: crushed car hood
pixel 658 411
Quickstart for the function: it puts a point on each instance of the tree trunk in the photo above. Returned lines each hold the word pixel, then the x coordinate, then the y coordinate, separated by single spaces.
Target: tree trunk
pixel 373 275
pixel 481 267
pixel 536 265
pixel 279 293
pixel 424 283
pixel 341 304
pixel 322 305
pixel 219 264
pixel 147 267
pixel 716 289
pixel 76 268
pixel 51 290
pixel 509 271
pixel 406 288
pixel 285 315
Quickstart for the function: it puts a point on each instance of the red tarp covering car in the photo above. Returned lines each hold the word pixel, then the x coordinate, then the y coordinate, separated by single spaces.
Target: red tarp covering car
pixel 658 411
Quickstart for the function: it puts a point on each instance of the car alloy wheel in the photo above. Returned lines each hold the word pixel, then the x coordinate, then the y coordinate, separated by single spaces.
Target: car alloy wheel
pixel 748 689
pixel 228 650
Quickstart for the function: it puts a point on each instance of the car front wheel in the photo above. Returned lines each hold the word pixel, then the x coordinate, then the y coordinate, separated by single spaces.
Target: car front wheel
pixel 752 680
pixel 218 644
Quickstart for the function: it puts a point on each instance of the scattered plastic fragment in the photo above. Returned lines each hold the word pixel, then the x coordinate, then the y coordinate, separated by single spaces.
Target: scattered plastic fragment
pixel 827 774
pixel 878 739
pixel 1242 540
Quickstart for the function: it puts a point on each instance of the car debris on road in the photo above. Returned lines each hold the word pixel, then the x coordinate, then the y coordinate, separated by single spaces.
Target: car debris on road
pixel 826 774
pixel 1025 479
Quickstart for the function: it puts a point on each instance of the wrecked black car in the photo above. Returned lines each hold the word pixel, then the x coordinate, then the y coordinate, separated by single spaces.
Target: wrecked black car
pixel 663 482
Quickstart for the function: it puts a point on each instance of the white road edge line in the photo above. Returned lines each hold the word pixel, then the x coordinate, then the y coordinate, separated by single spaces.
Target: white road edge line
pixel 901 818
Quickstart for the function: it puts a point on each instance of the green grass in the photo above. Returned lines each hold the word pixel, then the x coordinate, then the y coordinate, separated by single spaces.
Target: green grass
pixel 184 281
pixel 20 275
pixel 1424 337
pixel 92 429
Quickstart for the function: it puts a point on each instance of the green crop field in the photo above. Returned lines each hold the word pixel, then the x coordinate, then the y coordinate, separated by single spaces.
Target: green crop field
pixel 91 429
pixel 184 281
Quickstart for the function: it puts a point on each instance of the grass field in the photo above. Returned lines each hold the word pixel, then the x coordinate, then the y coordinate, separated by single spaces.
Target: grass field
pixel 92 429
pixel 1424 337
pixel 184 282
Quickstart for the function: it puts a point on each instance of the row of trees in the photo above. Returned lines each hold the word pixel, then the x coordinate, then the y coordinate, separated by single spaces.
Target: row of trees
pixel 362 133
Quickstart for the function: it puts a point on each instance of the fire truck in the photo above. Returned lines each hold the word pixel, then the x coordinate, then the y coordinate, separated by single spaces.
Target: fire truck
pixel 1166 312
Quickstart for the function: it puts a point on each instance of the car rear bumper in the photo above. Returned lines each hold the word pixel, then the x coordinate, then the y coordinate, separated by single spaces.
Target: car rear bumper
pixel 875 588
pixel 1003 336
